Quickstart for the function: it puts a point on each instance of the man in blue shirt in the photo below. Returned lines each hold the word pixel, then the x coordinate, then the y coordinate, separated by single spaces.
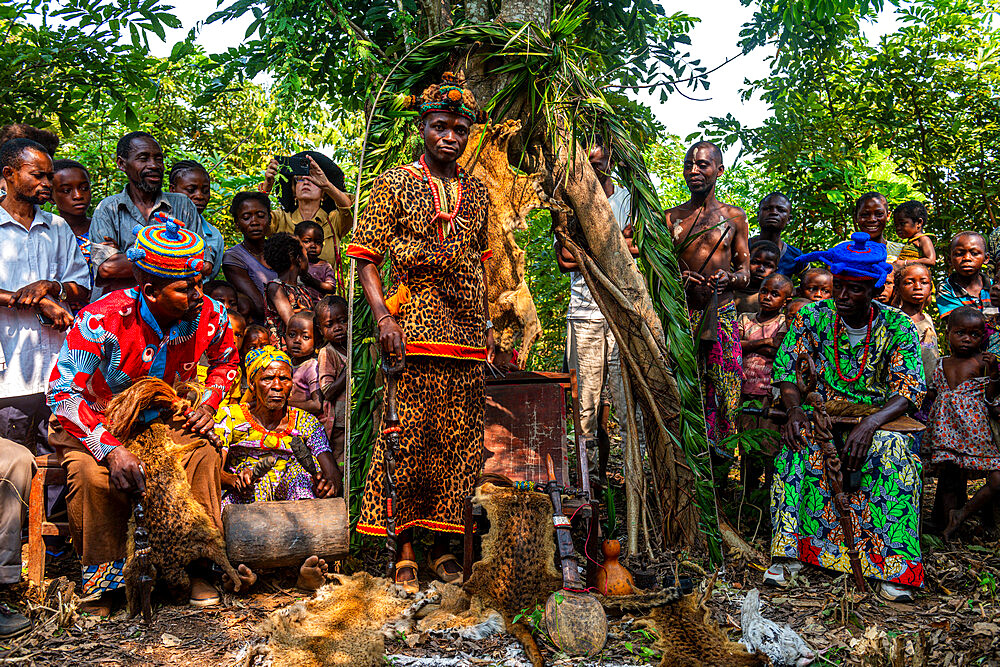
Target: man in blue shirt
pixel 140 157
pixel 773 216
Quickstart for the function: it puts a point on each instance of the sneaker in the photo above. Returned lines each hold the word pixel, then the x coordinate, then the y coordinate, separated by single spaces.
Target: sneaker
pixel 781 572
pixel 895 592
pixel 12 623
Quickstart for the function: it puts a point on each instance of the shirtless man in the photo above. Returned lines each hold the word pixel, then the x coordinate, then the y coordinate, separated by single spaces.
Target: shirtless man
pixel 712 241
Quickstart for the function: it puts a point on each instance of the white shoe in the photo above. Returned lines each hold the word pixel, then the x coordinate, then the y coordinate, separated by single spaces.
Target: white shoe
pixel 781 572
pixel 895 592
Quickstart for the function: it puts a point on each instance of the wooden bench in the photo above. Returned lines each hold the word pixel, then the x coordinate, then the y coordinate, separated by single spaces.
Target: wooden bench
pixel 49 473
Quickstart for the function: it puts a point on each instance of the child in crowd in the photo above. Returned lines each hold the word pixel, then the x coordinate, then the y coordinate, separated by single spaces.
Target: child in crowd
pixel 331 322
pixel 888 295
pixel 764 256
pixel 224 293
pixel 963 385
pixel 816 284
pixel 190 178
pixel 300 342
pixel 966 285
pixel 909 219
pixel 761 334
pixel 255 337
pixel 286 295
pixel 310 235
pixel 795 306
pixel 871 214
pixel 71 195
pixel 913 291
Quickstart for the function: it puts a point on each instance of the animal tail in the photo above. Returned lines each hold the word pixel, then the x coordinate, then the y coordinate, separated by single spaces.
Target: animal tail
pixel 523 635
pixel 125 413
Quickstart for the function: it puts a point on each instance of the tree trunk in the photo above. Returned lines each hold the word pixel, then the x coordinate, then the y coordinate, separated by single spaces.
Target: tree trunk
pixel 525 11
pixel 620 292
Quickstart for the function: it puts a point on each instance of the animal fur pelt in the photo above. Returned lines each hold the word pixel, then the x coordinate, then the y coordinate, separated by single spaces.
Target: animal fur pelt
pixel 688 637
pixel 342 625
pixel 780 643
pixel 512 197
pixel 180 529
pixel 517 571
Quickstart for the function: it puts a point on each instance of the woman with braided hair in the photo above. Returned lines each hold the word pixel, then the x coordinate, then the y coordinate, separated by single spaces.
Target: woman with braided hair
pixel 429 219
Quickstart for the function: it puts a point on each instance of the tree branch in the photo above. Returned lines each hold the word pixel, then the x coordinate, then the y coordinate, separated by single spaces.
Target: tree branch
pixel 356 29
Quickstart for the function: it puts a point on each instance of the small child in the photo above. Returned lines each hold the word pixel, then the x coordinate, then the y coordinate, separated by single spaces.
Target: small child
pixel 909 219
pixel 795 306
pixel 816 284
pixel 959 426
pixel 255 337
pixel 224 293
pixel 239 325
pixel 324 278
pixel 913 292
pixel 300 341
pixel 331 321
pixel 764 256
pixel 760 335
pixel 966 285
pixel 888 294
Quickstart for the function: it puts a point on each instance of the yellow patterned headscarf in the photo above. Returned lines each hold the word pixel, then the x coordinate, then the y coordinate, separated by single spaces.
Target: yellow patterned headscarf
pixel 259 359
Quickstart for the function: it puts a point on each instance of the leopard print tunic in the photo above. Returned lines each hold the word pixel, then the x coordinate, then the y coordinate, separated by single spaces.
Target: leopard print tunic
pixel 440 264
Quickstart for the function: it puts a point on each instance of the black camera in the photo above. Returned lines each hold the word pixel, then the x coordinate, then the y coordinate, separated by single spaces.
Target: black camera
pixel 296 165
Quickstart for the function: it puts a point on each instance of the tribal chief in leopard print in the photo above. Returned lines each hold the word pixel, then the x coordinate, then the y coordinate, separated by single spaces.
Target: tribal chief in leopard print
pixel 429 219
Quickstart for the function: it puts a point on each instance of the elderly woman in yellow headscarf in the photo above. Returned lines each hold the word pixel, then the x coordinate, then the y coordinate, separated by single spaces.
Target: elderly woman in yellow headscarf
pixel 266 426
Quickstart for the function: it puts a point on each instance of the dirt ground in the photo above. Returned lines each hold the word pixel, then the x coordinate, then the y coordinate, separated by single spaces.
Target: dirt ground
pixel 954 621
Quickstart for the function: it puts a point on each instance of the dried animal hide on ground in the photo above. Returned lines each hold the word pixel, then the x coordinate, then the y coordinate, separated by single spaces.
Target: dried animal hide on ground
pixel 180 529
pixel 512 197
pixel 455 614
pixel 780 643
pixel 342 625
pixel 688 637
pixel 517 571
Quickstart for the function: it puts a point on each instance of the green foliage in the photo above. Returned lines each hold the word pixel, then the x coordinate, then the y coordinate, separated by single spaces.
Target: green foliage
pixel 550 290
pixel 912 116
pixel 60 62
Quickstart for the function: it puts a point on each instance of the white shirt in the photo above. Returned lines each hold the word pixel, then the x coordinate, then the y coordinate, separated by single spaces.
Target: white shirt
pixel 581 304
pixel 47 250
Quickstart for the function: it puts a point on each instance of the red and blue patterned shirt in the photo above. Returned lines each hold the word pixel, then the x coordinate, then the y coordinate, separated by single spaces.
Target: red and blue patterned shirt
pixel 115 341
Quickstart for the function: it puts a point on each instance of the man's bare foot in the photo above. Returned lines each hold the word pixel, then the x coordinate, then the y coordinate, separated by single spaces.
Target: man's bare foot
pixel 955 519
pixel 312 574
pixel 101 607
pixel 203 594
pixel 247 579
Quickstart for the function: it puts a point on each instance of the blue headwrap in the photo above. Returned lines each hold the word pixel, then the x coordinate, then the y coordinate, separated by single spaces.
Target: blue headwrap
pixel 857 259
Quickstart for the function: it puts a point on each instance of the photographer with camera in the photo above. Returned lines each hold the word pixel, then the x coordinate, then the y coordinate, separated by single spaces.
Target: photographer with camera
pixel 311 187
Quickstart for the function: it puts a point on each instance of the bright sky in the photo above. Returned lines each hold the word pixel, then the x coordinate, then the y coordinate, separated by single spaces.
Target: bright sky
pixel 713 40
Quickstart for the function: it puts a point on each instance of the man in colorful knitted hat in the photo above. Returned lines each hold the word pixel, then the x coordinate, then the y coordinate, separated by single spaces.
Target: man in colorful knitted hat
pixel 429 219
pixel 160 328
pixel 867 354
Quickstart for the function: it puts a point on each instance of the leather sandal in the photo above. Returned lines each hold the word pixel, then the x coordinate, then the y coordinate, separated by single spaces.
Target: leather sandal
pixel 447 577
pixel 208 597
pixel 411 585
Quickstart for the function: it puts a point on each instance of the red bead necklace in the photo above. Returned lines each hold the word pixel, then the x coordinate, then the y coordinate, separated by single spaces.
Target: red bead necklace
pixel 438 214
pixel 838 326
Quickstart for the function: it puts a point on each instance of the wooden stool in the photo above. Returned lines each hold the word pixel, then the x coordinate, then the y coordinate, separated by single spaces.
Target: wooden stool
pixel 49 473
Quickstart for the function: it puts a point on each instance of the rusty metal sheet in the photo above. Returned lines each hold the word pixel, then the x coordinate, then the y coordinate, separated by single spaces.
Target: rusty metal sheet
pixel 524 422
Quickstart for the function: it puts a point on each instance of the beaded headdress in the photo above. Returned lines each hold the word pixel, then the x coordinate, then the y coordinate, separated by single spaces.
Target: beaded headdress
pixel 857 259
pixel 166 249
pixel 450 96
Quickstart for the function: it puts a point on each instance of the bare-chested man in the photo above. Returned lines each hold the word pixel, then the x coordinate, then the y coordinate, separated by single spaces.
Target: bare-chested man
pixel 712 240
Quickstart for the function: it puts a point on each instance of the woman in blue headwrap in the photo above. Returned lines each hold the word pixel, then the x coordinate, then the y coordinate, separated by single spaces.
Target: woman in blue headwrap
pixel 866 353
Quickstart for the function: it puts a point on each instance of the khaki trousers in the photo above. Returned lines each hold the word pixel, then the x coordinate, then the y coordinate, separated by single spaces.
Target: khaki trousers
pixel 17 466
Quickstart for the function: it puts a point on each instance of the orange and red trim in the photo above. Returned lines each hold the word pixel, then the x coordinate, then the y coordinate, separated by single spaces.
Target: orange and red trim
pixel 486 255
pixel 361 252
pixel 439 526
pixel 446 350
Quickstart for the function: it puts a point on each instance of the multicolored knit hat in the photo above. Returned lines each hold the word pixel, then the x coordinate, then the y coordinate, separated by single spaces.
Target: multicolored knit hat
pixel 262 357
pixel 449 96
pixel 166 249
pixel 857 259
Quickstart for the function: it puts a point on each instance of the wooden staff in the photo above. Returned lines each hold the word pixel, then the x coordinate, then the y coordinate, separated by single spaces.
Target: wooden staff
pixel 142 548
pixel 390 431
pixel 823 434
